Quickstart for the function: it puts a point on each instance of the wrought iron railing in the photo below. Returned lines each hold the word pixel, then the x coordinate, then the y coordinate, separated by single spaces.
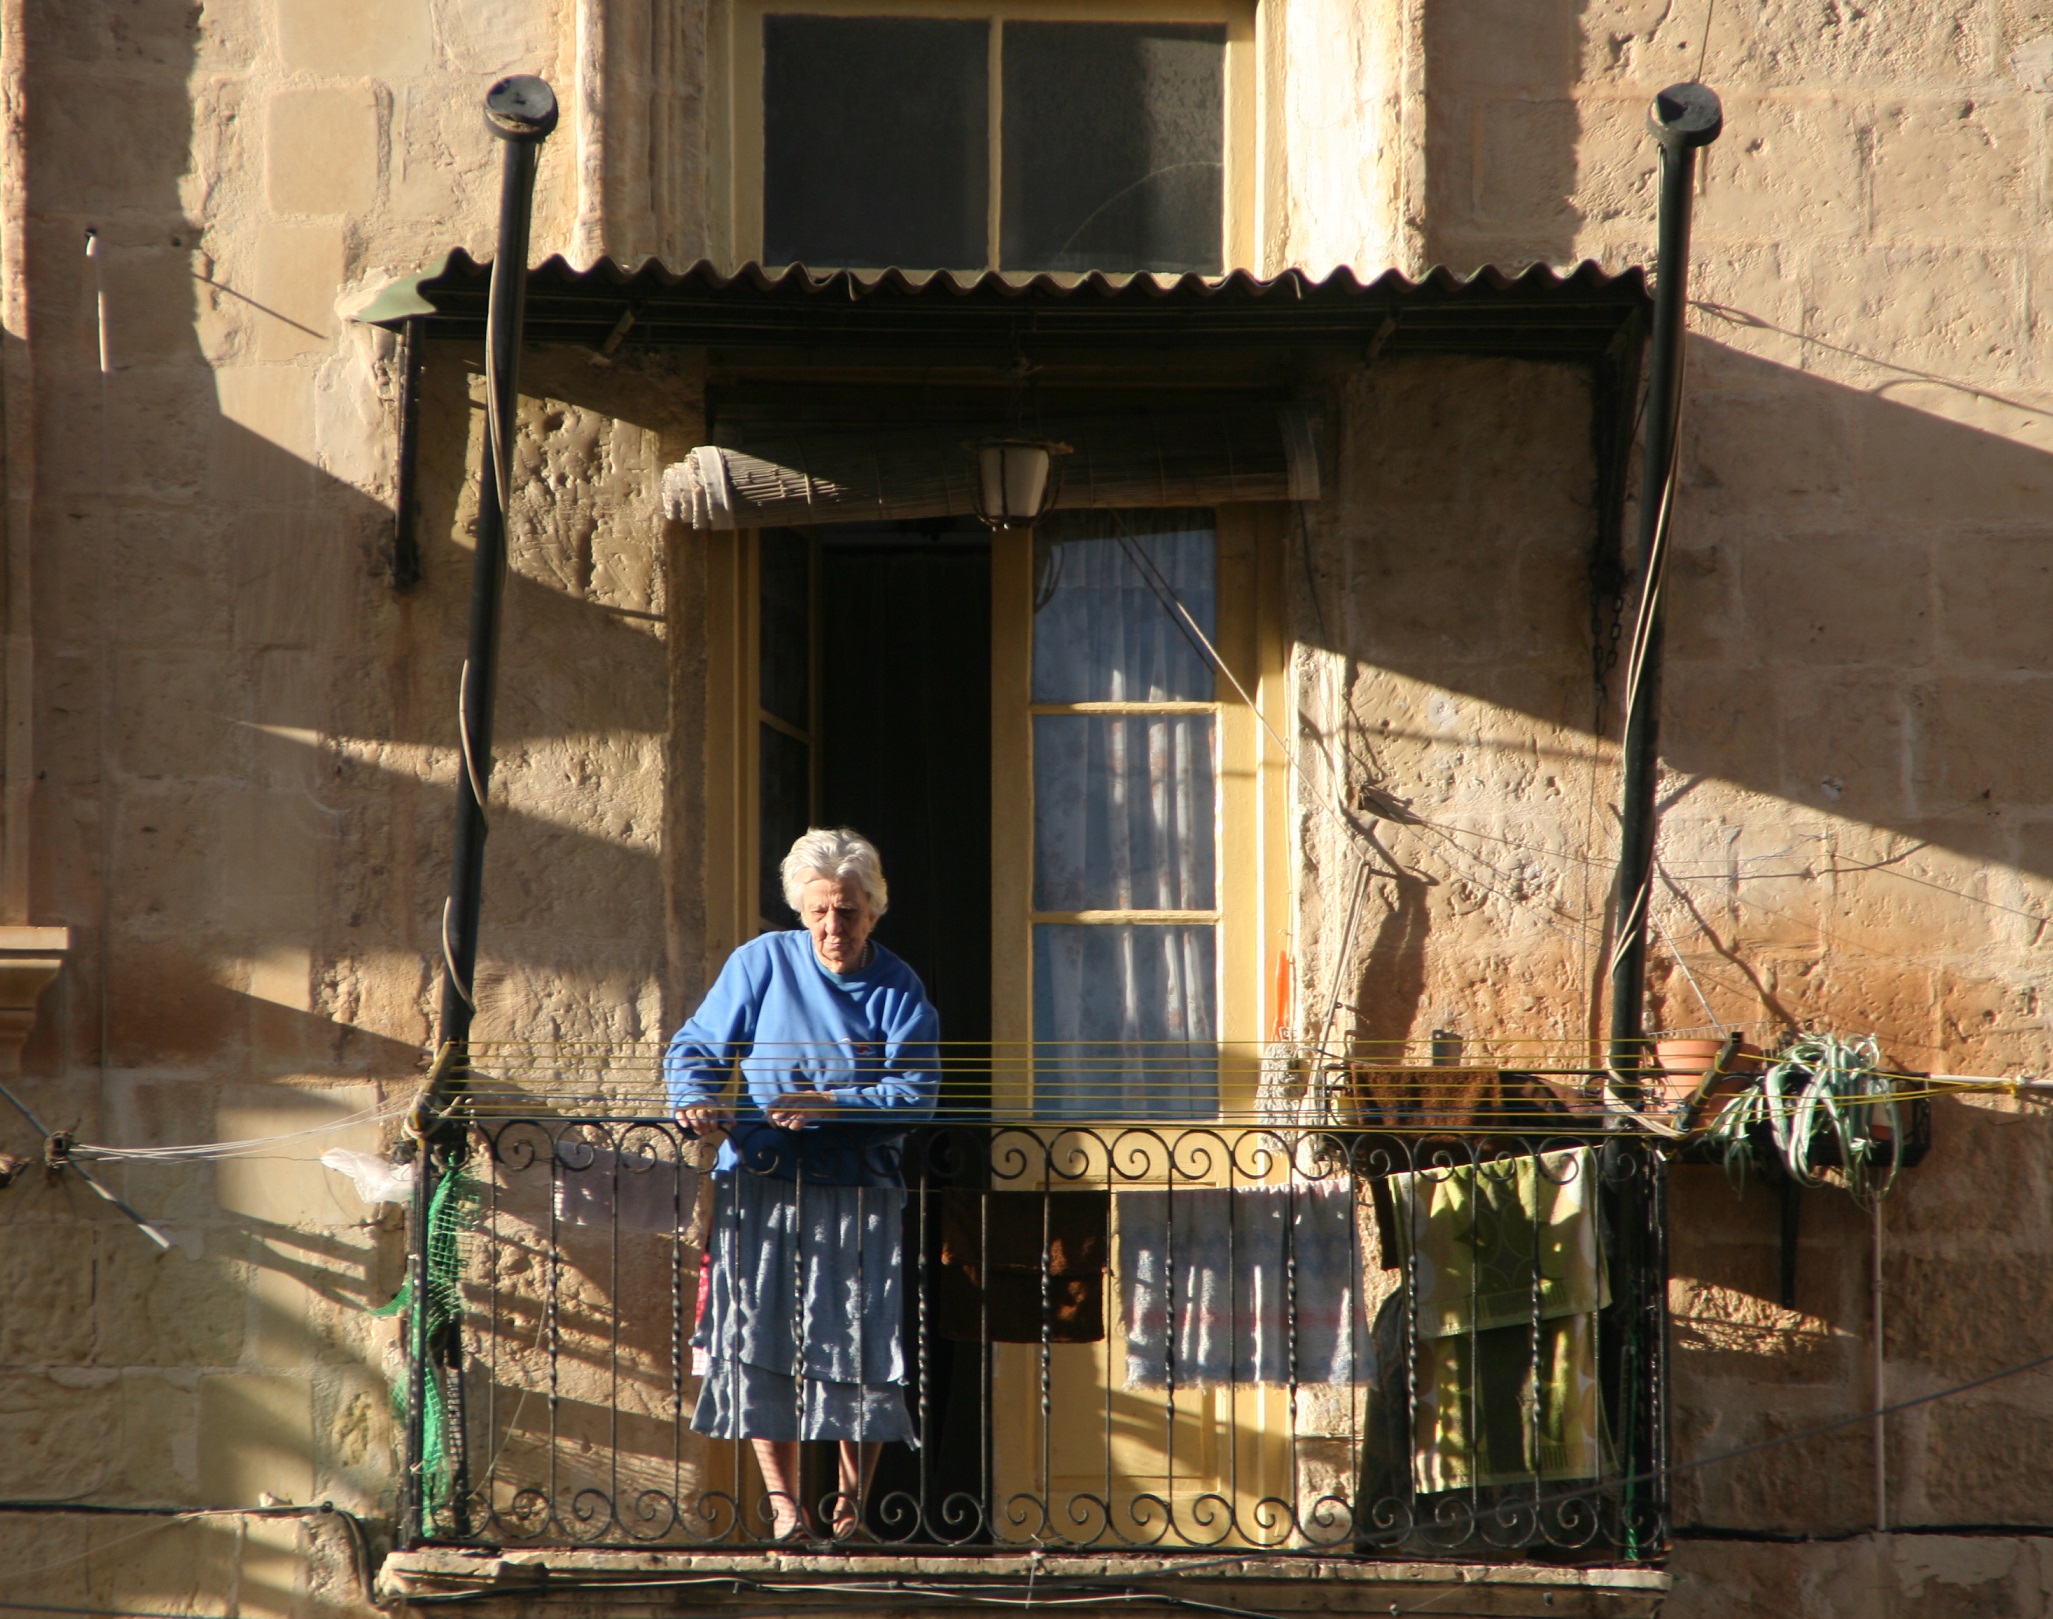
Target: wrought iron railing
pixel 1164 1337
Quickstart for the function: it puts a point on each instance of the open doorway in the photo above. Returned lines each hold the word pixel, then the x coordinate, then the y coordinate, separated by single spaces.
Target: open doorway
pixel 876 696
pixel 905 755
pixel 876 682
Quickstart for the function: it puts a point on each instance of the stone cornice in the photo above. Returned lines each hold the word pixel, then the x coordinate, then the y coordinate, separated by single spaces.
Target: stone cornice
pixel 30 958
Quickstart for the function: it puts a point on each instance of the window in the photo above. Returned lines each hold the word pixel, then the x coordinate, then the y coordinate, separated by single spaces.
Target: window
pixel 1138 859
pixel 1125 740
pixel 993 136
pixel 1082 819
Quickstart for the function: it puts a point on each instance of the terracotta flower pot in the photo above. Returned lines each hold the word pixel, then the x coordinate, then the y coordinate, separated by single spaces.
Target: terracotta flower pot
pixel 1684 1063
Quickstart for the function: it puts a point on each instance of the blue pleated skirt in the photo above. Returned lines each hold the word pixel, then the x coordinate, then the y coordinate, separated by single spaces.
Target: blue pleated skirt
pixel 801 1326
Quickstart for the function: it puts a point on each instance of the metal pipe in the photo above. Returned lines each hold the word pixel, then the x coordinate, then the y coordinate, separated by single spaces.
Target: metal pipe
pixel 520 111
pixel 1881 1374
pixel 1683 118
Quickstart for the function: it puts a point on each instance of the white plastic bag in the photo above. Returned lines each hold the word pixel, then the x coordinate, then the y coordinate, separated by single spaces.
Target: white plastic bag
pixel 377 1180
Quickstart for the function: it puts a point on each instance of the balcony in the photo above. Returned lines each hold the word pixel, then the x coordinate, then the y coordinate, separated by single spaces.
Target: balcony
pixel 1381 1344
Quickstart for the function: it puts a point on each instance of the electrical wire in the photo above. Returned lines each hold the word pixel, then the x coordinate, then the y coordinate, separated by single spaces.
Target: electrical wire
pixel 16 1575
pixel 1777 1537
pixel 1165 593
pixel 1072 1593
pixel 85 1173
pixel 96 1613
pixel 245 1147
pixel 359 1540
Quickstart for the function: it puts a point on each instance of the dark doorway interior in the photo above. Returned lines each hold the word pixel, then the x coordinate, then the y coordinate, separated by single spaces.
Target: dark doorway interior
pixel 905 752
pixel 904 650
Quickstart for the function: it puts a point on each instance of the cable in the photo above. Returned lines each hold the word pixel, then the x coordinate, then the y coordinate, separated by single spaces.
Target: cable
pixel 1688 976
pixel 1780 1537
pixel 241 1148
pixel 1649 1475
pixel 1084 1596
pixel 359 1540
pixel 1076 1595
pixel 1165 593
pixel 17 1575
pixel 1652 1474
pixel 1073 1592
pixel 449 960
pixel 147 1228
pixel 99 1613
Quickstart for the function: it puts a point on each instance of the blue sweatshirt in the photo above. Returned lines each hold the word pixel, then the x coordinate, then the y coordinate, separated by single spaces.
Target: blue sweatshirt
pixel 871 1038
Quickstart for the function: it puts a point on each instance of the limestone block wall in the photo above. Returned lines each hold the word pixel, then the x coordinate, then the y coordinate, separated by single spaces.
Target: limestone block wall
pixel 244 742
pixel 1859 789
pixel 1447 706
pixel 1342 137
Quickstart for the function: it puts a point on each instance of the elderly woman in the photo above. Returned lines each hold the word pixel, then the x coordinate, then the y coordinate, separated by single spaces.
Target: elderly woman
pixel 837 1049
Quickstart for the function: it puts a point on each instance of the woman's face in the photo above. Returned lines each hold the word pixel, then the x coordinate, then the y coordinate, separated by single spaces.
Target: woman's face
pixel 836 912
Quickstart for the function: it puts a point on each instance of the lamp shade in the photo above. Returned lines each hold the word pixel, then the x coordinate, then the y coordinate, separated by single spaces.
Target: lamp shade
pixel 1012 479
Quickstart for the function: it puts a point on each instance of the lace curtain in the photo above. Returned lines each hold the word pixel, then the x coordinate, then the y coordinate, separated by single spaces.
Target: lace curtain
pixel 1125 817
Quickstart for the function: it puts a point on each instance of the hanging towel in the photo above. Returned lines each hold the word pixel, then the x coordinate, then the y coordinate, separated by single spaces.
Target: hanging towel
pixel 597 1187
pixel 1263 1284
pixel 1507 1268
pixel 1006 1257
pixel 1478 1235
pixel 1499 1407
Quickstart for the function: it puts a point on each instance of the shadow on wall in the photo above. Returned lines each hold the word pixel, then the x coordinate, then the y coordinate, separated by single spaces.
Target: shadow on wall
pixel 245 741
pixel 1856 613
pixel 1862 573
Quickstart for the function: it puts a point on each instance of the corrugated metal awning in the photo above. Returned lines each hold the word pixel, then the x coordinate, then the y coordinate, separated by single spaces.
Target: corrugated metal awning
pixel 1538 313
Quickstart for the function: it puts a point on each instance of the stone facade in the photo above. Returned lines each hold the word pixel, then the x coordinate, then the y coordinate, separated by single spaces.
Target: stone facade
pixel 230 747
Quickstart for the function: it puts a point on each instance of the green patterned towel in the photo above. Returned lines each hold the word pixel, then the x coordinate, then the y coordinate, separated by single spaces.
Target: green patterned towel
pixel 1507 1265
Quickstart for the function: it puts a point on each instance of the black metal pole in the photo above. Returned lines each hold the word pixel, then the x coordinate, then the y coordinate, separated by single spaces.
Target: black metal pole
pixel 520 111
pixel 1684 117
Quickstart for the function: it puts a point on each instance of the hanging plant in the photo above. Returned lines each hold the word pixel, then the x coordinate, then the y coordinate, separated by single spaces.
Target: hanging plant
pixel 1819 1093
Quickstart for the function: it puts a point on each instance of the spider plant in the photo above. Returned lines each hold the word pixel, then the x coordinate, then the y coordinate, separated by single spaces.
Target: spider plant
pixel 1817 1088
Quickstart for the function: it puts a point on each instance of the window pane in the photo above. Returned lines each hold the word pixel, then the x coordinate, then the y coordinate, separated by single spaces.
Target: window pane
pixel 786 808
pixel 1123 812
pixel 786 634
pixel 1114 146
pixel 875 141
pixel 1105 628
pixel 1123 1022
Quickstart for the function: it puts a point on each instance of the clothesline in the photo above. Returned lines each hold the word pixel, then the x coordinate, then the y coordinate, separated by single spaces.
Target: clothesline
pixel 1417 1087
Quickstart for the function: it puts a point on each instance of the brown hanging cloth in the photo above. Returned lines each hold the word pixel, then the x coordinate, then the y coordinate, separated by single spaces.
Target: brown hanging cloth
pixel 997 1283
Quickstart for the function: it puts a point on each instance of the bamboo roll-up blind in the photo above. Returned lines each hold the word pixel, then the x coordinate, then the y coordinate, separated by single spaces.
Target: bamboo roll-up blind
pixel 1264 452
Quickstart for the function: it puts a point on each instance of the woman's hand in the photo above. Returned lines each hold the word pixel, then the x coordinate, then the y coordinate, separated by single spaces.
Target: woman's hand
pixel 704 1120
pixel 794 1110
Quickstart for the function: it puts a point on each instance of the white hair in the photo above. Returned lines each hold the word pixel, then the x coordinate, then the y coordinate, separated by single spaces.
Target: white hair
pixel 834 852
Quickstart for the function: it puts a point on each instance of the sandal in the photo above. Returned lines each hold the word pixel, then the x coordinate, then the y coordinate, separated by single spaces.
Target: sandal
pixel 788 1524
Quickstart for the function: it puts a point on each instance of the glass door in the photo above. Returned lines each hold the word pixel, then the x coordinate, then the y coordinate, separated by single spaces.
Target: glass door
pixel 1129 923
pixel 1125 783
